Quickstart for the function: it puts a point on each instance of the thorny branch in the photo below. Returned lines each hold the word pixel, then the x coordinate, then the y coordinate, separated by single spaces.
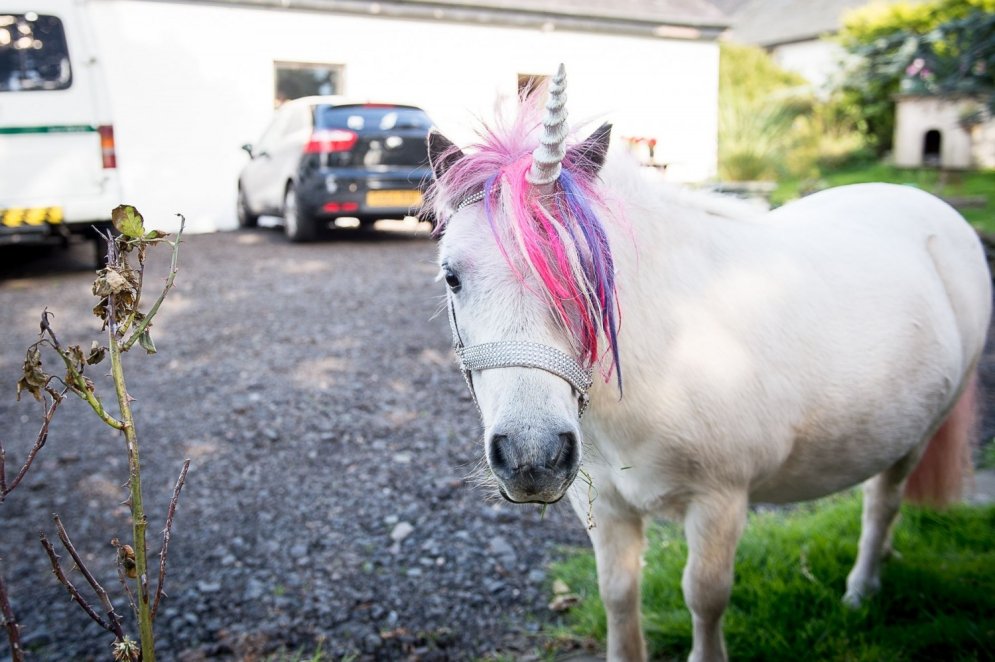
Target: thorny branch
pixel 10 624
pixel 119 288
pixel 73 591
pixel 6 489
pixel 143 325
pixel 112 617
pixel 165 536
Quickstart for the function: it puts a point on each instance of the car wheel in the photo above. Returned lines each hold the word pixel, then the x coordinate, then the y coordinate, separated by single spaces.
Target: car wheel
pixel 246 219
pixel 298 226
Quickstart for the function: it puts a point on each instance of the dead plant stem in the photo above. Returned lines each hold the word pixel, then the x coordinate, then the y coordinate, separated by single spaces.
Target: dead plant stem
pixel 138 520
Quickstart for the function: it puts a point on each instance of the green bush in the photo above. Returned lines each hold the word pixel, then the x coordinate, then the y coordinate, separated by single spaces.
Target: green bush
pixel 772 125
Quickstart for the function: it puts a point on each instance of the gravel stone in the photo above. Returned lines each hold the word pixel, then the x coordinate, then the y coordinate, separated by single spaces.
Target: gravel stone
pixel 314 391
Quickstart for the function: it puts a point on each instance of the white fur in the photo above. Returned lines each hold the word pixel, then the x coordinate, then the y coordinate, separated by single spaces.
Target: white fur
pixel 774 358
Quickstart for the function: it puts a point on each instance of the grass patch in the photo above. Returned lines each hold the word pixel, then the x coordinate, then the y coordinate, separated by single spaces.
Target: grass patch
pixel 949 184
pixel 937 601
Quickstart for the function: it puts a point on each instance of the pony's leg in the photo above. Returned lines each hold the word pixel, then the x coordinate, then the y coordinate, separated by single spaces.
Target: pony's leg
pixel 618 550
pixel 713 524
pixel 882 499
pixel 617 537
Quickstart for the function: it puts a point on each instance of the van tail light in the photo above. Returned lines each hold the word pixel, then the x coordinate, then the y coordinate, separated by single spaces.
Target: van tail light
pixel 108 154
pixel 331 140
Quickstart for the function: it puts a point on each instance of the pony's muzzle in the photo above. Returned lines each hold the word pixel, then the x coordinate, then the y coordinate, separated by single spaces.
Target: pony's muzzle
pixel 537 470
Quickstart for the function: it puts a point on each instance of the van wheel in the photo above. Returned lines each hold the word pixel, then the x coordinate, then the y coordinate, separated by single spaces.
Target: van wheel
pixel 299 226
pixel 246 219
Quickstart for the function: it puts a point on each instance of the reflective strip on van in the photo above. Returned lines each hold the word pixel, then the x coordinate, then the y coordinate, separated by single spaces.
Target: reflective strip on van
pixel 50 128
pixel 18 216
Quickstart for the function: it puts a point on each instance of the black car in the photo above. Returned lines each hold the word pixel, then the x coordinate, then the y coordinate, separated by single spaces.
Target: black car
pixel 322 158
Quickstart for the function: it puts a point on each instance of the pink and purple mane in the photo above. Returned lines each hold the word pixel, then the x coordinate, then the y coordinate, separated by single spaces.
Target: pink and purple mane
pixel 555 232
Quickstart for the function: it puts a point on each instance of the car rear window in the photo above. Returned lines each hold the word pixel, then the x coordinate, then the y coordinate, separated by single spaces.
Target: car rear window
pixel 371 118
pixel 33 53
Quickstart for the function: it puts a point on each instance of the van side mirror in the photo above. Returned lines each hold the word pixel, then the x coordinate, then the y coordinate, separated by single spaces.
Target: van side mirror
pixel 248 149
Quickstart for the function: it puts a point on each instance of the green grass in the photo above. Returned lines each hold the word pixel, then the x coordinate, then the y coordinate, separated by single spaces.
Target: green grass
pixel 937 601
pixel 970 183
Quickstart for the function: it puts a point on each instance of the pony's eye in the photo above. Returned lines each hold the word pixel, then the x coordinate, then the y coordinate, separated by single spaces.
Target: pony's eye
pixel 452 280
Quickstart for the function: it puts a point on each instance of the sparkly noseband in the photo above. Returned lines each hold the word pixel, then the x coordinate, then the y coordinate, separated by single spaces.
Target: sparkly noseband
pixel 470 199
pixel 519 354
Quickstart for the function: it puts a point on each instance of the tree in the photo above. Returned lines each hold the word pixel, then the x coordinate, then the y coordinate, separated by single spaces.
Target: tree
pixel 938 47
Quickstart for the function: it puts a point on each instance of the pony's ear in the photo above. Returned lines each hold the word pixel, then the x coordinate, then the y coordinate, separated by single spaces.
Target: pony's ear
pixel 590 155
pixel 442 153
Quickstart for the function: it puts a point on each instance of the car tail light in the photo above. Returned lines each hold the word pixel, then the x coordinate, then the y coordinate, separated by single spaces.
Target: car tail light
pixel 331 140
pixel 108 155
pixel 334 207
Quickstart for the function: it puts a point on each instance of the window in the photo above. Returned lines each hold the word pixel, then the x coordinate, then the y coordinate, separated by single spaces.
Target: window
pixel 33 53
pixel 300 79
pixel 371 118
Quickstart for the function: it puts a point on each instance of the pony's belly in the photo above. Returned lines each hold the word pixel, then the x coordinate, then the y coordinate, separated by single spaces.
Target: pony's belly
pixel 816 469
pixel 793 490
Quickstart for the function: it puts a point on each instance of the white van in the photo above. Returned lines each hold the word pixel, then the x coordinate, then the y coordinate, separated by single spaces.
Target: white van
pixel 58 167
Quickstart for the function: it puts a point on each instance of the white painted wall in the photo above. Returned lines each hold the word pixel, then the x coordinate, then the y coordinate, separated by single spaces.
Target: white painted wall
pixel 983 144
pixel 191 83
pixel 914 116
pixel 816 60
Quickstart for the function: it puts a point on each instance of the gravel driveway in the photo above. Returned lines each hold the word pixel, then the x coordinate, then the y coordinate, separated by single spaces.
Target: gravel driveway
pixel 313 388
pixel 330 438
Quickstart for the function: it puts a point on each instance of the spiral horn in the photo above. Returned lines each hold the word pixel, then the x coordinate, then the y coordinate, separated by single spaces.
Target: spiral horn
pixel 548 156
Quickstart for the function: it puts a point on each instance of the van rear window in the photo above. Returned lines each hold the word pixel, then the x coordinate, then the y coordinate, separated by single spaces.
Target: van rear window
pixel 33 53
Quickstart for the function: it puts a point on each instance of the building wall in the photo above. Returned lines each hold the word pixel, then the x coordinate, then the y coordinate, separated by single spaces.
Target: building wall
pixel 917 115
pixel 983 144
pixel 189 84
pixel 816 60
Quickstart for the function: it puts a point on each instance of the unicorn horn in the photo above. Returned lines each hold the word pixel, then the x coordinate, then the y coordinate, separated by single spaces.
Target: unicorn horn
pixel 552 147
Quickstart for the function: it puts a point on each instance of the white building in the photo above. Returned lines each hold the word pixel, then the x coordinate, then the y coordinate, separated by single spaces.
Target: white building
pixel 190 82
pixel 946 132
pixel 797 33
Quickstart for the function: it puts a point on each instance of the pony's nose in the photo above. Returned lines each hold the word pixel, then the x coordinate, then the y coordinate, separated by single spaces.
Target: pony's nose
pixel 536 471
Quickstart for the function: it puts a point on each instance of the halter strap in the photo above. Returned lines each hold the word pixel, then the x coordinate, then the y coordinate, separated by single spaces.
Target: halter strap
pixel 518 354
pixel 471 199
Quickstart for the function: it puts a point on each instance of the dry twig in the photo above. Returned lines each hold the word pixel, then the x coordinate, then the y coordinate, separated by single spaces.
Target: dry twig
pixel 10 624
pixel 112 617
pixel 6 489
pixel 73 591
pixel 165 536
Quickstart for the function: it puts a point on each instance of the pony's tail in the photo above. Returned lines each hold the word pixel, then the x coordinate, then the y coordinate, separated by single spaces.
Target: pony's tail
pixel 938 480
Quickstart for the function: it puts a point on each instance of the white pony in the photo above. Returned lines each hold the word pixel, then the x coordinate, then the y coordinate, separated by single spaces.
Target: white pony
pixel 773 358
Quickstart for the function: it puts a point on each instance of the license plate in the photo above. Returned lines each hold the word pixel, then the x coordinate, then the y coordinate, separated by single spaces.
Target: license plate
pixel 393 198
pixel 17 216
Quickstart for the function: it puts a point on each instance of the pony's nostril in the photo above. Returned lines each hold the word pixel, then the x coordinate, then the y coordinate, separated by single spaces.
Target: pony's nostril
pixel 566 452
pixel 497 455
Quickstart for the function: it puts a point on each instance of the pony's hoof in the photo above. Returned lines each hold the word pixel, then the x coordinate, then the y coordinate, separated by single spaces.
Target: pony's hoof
pixel 853 599
pixel 858 594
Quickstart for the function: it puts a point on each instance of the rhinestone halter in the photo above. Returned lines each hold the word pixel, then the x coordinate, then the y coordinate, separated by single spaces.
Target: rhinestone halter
pixel 471 199
pixel 519 354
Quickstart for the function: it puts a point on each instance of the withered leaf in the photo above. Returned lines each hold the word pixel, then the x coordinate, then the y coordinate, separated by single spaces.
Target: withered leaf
pixel 110 281
pixel 75 352
pixel 34 378
pixel 97 353
pixel 100 310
